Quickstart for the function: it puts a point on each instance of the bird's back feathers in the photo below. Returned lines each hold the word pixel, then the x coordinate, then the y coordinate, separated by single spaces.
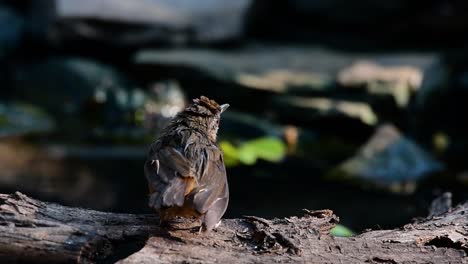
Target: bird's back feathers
pixel 195 177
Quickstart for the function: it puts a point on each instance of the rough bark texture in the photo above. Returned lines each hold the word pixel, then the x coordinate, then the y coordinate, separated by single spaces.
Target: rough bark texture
pixel 35 231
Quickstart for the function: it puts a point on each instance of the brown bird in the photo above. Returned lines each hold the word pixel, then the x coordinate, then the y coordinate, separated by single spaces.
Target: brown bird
pixel 185 168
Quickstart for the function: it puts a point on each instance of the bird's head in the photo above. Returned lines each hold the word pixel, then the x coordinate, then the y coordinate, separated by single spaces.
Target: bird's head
pixel 205 114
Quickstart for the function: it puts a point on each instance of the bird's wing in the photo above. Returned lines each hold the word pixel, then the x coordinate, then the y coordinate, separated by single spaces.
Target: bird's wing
pixel 170 176
pixel 212 194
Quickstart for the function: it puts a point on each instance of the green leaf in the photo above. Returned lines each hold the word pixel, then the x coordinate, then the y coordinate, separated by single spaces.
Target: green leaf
pixel 266 148
pixel 247 155
pixel 231 154
pixel 341 231
pixel 228 149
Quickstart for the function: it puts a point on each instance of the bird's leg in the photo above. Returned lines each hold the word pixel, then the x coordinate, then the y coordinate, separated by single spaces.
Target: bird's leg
pixel 165 219
pixel 217 225
pixel 202 226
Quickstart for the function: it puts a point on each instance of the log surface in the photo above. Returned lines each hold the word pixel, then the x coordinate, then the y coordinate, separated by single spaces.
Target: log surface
pixel 34 231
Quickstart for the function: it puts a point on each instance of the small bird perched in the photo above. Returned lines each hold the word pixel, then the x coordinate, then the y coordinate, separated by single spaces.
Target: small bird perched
pixel 185 169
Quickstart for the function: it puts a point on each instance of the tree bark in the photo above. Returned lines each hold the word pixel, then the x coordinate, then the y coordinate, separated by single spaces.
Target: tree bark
pixel 32 231
pixel 35 231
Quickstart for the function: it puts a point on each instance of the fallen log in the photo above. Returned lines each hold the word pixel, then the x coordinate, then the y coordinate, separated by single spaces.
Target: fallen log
pixel 32 231
pixel 36 231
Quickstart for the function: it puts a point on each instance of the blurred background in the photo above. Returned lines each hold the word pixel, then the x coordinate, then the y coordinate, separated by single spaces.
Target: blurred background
pixel 357 106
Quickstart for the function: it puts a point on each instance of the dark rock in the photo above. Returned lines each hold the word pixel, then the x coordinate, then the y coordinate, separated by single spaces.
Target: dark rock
pixel 340 11
pixel 436 76
pixel 246 78
pixel 313 109
pixel 366 24
pixel 398 81
pixel 438 109
pixel 64 86
pixel 254 66
pixel 139 23
pixel 326 117
pixel 441 205
pixel 237 125
pixel 252 76
pixel 40 16
pixel 11 29
pixel 18 119
pixel 165 100
pixel 89 100
pixel 386 82
pixel 389 160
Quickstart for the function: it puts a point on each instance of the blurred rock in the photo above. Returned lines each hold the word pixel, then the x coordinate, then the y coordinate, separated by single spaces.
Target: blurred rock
pixel 245 78
pixel 281 80
pixel 166 99
pixel 399 81
pixel 76 91
pixel 462 177
pixel 143 22
pixel 313 109
pixel 40 16
pixel 251 76
pixel 344 11
pixel 439 107
pixel 364 24
pixel 389 160
pixel 326 118
pixel 441 205
pixel 11 29
pixel 242 126
pixel 436 78
pixel 255 67
pixel 89 100
pixel 19 119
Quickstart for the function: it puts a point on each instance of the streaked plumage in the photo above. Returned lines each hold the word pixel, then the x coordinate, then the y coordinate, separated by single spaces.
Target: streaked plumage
pixel 185 169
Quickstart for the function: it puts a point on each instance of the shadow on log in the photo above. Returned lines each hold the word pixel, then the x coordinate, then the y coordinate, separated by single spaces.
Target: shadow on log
pixel 35 231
